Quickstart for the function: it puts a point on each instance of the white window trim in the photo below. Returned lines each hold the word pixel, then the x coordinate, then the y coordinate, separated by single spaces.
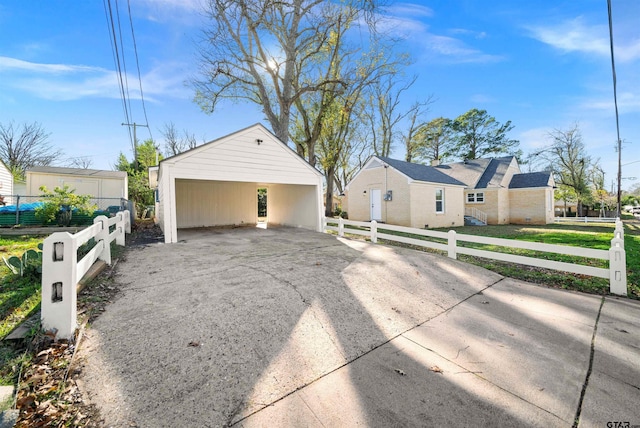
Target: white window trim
pixel 474 198
pixel 441 200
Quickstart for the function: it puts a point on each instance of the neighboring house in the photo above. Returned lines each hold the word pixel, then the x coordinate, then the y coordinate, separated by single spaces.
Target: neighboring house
pixel 106 187
pixel 406 194
pixel 217 184
pixel 499 193
pixel 6 184
pixel 565 208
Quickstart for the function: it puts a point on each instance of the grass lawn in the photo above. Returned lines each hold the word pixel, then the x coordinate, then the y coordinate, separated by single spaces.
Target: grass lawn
pixel 592 235
pixel 19 298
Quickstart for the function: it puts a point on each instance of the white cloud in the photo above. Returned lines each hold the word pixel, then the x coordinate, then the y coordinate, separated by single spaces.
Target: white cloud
pixel 7 63
pixel 575 35
pixel 627 102
pixel 64 82
pixel 482 99
pixel 407 22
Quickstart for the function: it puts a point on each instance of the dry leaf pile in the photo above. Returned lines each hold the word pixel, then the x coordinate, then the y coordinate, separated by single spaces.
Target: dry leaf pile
pixel 48 396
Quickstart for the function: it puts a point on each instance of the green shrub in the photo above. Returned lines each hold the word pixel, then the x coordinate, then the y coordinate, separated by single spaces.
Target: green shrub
pixel 60 205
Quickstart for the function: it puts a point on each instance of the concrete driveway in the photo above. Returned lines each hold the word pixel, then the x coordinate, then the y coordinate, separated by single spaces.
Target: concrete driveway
pixel 286 327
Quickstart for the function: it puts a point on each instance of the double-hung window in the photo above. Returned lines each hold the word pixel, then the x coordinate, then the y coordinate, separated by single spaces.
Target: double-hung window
pixel 439 200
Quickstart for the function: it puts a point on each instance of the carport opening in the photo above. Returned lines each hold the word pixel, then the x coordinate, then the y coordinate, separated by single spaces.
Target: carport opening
pixel 262 208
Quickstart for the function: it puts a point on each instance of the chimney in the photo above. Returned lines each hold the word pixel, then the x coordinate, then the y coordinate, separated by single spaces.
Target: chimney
pixel 435 162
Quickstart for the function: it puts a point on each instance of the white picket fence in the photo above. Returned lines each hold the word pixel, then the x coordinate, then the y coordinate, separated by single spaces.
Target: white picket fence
pixel 616 273
pixel 61 269
pixel 585 219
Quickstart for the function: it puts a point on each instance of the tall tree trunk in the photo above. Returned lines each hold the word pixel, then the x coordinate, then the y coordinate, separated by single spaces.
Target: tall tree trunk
pixel 328 199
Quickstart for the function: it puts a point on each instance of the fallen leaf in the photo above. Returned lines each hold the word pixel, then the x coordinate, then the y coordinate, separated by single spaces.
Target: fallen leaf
pixel 484 302
pixel 400 372
pixel 194 343
pixel 436 369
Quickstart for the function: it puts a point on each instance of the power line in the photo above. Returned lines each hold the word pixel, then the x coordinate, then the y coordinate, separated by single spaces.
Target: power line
pixel 135 50
pixel 116 60
pixel 118 51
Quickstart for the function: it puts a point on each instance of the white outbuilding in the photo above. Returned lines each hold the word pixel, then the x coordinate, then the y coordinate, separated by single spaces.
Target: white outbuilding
pixel 245 178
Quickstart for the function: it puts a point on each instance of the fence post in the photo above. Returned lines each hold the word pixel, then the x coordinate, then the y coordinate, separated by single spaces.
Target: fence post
pixel 374 231
pixel 127 221
pixel 17 210
pixel 340 227
pixel 619 230
pixel 120 228
pixel 617 267
pixel 59 282
pixel 103 235
pixel 452 244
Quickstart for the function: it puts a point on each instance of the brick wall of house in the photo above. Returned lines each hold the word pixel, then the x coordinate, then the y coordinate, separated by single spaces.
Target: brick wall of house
pixel 530 206
pixel 396 211
pixel 423 206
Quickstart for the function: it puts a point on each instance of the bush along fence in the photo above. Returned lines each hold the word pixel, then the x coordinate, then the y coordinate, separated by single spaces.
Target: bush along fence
pixel 61 269
pixel 22 210
pixel 616 273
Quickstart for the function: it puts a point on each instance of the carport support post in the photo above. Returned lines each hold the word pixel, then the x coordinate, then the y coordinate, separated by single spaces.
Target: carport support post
pixel 340 227
pixel 617 268
pixel 374 231
pixel 59 281
pixel 452 244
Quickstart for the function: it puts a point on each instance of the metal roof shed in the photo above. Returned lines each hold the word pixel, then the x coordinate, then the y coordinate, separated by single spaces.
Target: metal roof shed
pixel 217 184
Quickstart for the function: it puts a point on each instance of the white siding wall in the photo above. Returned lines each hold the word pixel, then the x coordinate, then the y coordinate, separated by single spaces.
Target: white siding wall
pixel 99 187
pixel 241 159
pixel 202 203
pixel 292 205
pixel 6 184
pixel 216 184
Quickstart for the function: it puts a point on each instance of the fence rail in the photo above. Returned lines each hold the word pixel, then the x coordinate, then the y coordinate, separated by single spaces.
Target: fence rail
pixel 61 269
pixel 448 242
pixel 585 219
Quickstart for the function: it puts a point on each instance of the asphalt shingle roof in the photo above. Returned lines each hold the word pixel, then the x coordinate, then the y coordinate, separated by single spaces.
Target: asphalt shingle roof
pixel 478 173
pixel 77 171
pixel 420 172
pixel 530 179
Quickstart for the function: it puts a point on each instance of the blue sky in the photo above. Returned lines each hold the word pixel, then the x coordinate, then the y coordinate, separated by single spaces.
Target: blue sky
pixel 541 64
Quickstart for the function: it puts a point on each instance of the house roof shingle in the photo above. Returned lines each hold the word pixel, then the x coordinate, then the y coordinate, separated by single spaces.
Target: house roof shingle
pixel 420 172
pixel 530 179
pixel 479 173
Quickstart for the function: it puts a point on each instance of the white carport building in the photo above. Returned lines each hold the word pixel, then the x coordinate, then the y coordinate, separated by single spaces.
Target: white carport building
pixel 217 184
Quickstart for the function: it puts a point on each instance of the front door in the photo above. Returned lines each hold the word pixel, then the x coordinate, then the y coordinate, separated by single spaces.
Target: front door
pixel 376 205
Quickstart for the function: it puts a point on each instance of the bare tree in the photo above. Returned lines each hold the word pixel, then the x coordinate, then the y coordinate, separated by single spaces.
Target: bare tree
pixel 416 122
pixel 83 162
pixel 26 146
pixel 266 52
pixel 384 116
pixel 174 143
pixel 570 162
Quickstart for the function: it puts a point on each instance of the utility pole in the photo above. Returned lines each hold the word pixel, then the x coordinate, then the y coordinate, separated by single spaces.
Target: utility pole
pixel 135 141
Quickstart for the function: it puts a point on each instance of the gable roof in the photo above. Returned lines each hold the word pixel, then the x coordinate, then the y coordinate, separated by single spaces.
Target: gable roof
pixel 420 172
pixel 531 179
pixel 479 173
pixel 221 140
pixel 85 172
